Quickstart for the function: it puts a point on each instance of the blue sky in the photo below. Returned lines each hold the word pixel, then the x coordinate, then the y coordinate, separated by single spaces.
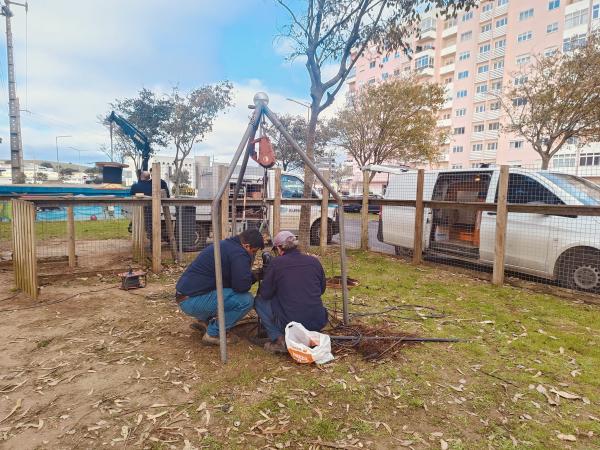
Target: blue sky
pixel 82 54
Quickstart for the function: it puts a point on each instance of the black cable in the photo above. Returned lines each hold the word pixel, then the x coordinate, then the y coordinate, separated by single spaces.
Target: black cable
pixel 40 305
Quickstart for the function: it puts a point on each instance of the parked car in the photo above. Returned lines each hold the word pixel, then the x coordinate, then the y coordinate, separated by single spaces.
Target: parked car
pixel 356 205
pixel 552 246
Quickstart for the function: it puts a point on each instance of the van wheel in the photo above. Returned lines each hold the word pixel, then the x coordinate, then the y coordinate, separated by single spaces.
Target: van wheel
pixel 580 269
pixel 315 233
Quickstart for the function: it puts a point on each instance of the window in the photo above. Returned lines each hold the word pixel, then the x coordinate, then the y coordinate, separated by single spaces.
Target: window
pixel 484 48
pixel 463 74
pixel 494 126
pixel 479 128
pixel 576 18
pixel 515 145
pixel 384 76
pixel 397 55
pixel 501 22
pixel 497 86
pixel 291 187
pixel 371 81
pixel 423 62
pixel 448 80
pixel 527 14
pixel 525 36
pixel 487 7
pixel 457 149
pixel 552 28
pixel 461 112
pixel 523 189
pixel 464 56
pixel 500 44
pixel 550 51
pixel 449 23
pixel 372 65
pixel 482 88
pixel 499 64
pixel 385 59
pixel 457 166
pixel 396 72
pixel 573 141
pixel 477 147
pixel 459 130
pixel 574 42
pixel 427 24
pixel 461 94
pixel 523 59
pixel 502 2
pixel 596 11
pixel 553 4
pixel 483 69
pixel 493 146
pixel 446 116
pixel 466 36
pixel 520 80
pixel 486 27
pixel 480 108
pixel 520 101
pixel 467 16
pixel 589 159
pixel 560 161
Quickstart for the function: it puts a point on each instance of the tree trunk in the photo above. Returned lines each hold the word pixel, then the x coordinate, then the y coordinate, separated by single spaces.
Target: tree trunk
pixel 545 161
pixel 304 233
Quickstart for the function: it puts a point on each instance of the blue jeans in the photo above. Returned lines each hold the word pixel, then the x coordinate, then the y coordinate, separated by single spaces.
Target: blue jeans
pixel 204 307
pixel 273 325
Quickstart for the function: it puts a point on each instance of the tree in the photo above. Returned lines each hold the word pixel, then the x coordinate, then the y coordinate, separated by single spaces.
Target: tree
pixel 191 117
pixel 287 157
pixel 41 176
pixel 20 178
pixel 184 179
pixel 555 100
pixel 335 33
pixel 65 172
pixel 148 111
pixel 47 165
pixel 391 122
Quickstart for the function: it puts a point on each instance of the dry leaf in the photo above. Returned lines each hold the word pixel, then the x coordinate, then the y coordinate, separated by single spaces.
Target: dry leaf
pixel 201 407
pixel 17 406
pixel 566 437
pixel 565 394
pixel 443 444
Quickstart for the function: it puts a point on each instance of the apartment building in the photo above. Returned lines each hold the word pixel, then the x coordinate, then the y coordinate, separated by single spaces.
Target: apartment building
pixel 474 56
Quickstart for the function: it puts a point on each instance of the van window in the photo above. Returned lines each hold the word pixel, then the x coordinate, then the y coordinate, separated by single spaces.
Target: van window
pixel 462 187
pixel 585 191
pixel 291 187
pixel 523 189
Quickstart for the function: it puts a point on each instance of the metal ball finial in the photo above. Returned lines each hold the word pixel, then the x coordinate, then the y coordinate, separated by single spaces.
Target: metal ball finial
pixel 261 97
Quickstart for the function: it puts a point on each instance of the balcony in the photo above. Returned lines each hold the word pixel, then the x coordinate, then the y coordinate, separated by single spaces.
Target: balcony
pixel 486 115
pixel 493 54
pixel 425 52
pixel 425 72
pixel 451 49
pixel 496 73
pixel 500 31
pixel 428 34
pixel 484 135
pixel 447 69
pixel 482 77
pixel 576 6
pixel 500 10
pixel 484 16
pixel 486 36
pixel 443 123
pixel 449 31
pixel 448 103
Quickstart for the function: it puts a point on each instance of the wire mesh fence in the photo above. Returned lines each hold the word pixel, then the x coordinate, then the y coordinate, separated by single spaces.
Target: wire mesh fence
pixel 5 230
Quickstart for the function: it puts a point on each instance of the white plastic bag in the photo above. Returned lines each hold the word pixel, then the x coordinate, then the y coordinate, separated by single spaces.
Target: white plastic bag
pixel 307 346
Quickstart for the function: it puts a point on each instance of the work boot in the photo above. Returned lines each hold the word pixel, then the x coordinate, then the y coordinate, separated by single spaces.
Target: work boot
pixel 207 339
pixel 200 326
pixel 277 346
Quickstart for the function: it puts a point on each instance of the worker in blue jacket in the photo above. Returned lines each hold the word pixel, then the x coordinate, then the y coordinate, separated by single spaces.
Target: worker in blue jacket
pixel 196 288
pixel 290 292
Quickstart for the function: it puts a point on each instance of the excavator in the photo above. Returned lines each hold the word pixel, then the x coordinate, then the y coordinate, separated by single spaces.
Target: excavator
pixel 141 142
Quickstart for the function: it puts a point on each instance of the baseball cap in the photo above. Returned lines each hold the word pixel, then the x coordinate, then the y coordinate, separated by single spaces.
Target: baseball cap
pixel 282 237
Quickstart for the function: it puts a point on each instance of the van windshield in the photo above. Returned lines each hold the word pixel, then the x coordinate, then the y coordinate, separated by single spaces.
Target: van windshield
pixel 585 191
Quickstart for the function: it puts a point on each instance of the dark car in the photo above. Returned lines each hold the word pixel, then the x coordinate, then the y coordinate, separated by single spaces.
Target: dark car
pixel 355 206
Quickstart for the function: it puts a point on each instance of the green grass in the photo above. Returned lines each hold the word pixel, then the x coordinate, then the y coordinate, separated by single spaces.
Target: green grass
pixel 533 339
pixel 84 229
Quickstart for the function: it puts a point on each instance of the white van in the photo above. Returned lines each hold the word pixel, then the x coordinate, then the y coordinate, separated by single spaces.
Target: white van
pixel 556 247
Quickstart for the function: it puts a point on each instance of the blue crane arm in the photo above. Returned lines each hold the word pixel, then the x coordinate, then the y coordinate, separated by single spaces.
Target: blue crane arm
pixel 139 139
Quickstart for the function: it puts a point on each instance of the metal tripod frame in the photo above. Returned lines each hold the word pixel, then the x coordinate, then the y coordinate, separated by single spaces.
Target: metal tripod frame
pixel 261 109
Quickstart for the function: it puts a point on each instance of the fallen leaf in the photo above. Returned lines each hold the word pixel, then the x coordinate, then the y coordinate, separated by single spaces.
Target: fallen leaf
pixel 17 406
pixel 443 444
pixel 566 437
pixel 565 394
pixel 201 407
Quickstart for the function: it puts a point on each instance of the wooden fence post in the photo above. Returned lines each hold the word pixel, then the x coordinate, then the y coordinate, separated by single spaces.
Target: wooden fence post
pixel 156 222
pixel 71 236
pixel 364 212
pixel 277 203
pixel 501 219
pixel 225 204
pixel 138 234
pixel 169 227
pixel 24 247
pixel 324 217
pixel 419 217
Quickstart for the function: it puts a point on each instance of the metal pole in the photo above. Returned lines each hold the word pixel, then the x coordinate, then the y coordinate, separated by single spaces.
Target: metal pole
pixel 238 184
pixel 216 226
pixel 344 273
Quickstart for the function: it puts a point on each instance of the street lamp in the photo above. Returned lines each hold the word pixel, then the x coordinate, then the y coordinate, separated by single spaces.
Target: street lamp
pixel 56 141
pixel 305 104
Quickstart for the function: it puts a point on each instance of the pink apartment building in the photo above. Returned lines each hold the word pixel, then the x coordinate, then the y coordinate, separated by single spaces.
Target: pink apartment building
pixel 474 56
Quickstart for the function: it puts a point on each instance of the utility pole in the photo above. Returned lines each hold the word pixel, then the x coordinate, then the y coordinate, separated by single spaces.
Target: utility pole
pixel 14 114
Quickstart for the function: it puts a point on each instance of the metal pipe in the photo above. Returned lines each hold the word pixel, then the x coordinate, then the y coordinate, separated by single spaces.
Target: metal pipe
pixel 344 273
pixel 216 226
pixel 238 184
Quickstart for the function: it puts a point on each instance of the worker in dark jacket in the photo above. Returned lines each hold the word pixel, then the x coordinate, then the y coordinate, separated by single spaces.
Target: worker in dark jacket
pixel 196 288
pixel 290 292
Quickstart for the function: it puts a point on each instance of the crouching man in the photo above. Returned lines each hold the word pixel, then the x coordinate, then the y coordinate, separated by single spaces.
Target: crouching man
pixel 290 292
pixel 196 289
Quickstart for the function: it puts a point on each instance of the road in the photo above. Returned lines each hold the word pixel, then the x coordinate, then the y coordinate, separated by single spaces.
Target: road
pixel 352 238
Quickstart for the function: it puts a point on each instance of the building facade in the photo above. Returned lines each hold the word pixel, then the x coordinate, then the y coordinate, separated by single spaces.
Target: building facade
pixel 475 55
